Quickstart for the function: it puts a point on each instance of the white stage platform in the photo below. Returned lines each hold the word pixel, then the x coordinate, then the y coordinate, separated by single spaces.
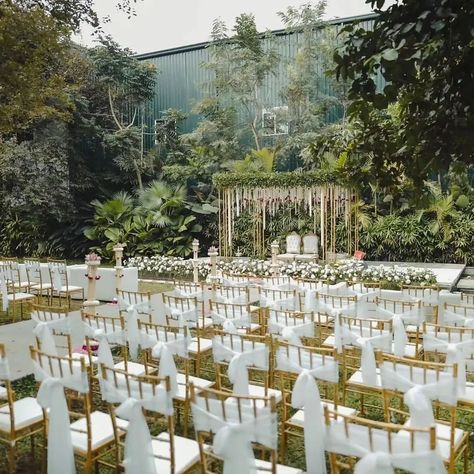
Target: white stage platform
pixel 447 274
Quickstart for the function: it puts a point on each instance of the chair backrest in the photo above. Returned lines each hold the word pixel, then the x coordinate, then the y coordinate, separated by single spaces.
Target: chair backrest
pixel 254 424
pixel 291 325
pixel 248 354
pixel 231 294
pixel 14 269
pixel 278 299
pixel 57 321
pixel 58 272
pixel 283 281
pixel 152 394
pixel 401 446
pixel 232 279
pixel 400 305
pixel 235 313
pixel 457 315
pixel 140 299
pixel 418 383
pixel 336 301
pixel 188 289
pixel 291 360
pixel 467 299
pixel 6 390
pixel 311 244
pixel 293 243
pixel 183 311
pixel 33 271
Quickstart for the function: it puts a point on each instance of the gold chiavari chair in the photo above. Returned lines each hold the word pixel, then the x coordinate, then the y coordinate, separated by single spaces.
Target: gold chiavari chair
pixel 177 338
pixel 59 277
pixel 239 315
pixel 322 364
pixel 456 315
pixel 349 438
pixel 255 351
pixel 429 297
pixel 214 410
pixel 141 300
pixel 185 312
pixel 336 301
pixel 170 453
pixel 38 284
pixel 399 376
pixel 92 432
pixel 19 419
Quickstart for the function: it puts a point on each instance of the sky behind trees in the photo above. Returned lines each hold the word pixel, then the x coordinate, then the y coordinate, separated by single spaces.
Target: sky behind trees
pixel 162 24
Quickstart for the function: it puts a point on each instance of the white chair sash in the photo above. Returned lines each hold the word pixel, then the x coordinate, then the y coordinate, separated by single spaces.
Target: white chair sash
pixel 413 316
pixel 188 294
pixel 239 299
pixel 165 350
pixel 57 282
pixel 131 326
pixel 291 333
pixel 138 455
pixel 283 304
pixel 457 319
pixel 188 317
pixel 4 292
pixel 456 353
pixel 419 387
pixel 306 395
pixel 4 375
pixel 241 320
pixel 232 440
pixel 51 397
pixel 239 361
pixel 343 336
pixel 381 461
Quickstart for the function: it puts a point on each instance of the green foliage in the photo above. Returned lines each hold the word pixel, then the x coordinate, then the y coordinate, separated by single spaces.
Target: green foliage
pixel 159 220
pixel 255 161
pixel 31 45
pixel 270 180
pixel 426 55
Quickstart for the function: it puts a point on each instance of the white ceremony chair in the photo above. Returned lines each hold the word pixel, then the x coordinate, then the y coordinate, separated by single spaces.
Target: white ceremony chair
pixel 37 284
pixel 293 247
pixel 131 397
pixel 15 281
pixel 417 385
pixel 278 299
pixel 231 294
pixel 92 433
pixel 185 312
pixel 229 430
pixel 12 296
pixel 187 289
pixel 457 315
pixel 236 316
pixel 302 372
pixel 429 297
pixel 19 419
pixel 292 326
pixel 140 301
pixel 59 277
pixel 310 248
pixel 282 282
pixel 166 348
pixel 245 364
pixel 359 445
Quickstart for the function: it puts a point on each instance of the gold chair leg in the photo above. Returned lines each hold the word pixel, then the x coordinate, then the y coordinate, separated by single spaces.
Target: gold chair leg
pixel 12 459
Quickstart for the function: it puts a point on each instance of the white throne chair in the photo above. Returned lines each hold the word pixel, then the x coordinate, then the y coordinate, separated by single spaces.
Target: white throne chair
pixel 310 248
pixel 293 247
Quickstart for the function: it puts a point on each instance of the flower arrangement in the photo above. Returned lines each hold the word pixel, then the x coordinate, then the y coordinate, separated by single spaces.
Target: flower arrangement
pixel 345 270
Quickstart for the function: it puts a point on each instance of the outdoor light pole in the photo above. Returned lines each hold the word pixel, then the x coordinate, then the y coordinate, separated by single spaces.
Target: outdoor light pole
pixel 118 249
pixel 275 250
pixel 92 262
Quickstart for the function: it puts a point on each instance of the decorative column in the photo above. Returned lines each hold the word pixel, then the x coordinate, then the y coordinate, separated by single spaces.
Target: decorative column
pixel 92 261
pixel 213 252
pixel 275 251
pixel 195 260
pixel 118 249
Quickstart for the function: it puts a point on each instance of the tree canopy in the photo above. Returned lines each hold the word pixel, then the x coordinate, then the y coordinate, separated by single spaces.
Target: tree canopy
pixel 425 51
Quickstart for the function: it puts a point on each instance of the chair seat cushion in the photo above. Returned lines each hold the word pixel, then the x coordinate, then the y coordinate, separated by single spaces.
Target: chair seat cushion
pixel 198 382
pixel 259 391
pixel 20 296
pixel 133 368
pixel 186 453
pixel 204 345
pixel 356 379
pixel 298 417
pixel 266 467
pixel 70 288
pixel 102 431
pixel 26 411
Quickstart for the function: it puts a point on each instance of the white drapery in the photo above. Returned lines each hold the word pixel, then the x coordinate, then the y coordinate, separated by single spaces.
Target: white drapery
pixel 420 388
pixel 293 332
pixel 306 395
pixel 233 438
pixel 52 398
pixel 252 355
pixel 353 440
